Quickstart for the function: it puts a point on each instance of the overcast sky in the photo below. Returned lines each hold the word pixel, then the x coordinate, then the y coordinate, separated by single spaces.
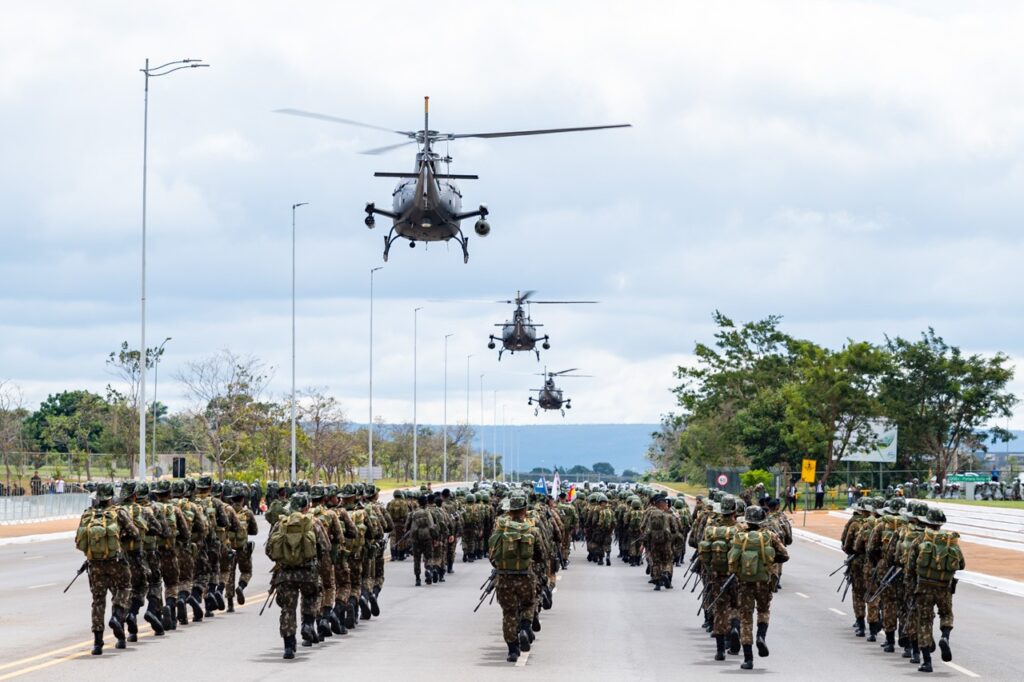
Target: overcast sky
pixel 853 166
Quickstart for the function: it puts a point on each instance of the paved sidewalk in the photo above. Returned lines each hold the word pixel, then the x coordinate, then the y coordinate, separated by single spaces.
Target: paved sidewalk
pixel 17 530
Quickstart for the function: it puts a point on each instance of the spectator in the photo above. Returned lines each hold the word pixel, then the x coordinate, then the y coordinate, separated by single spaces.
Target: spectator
pixel 819 494
pixel 790 498
pixel 60 486
pixel 851 494
pixel 36 484
pixel 51 487
pixel 995 475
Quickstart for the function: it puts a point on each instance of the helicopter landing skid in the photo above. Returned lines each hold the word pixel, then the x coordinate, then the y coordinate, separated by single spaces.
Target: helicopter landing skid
pixel 390 239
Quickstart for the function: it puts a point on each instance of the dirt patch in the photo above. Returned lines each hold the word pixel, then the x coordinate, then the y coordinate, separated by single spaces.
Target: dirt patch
pixel 22 529
pixel 1002 563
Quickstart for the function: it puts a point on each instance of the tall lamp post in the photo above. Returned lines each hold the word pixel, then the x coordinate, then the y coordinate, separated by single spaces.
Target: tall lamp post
pixel 369 428
pixel 415 334
pixel 444 465
pixel 483 468
pixel 294 206
pixel 156 377
pixel 494 439
pixel 162 70
pixel 469 443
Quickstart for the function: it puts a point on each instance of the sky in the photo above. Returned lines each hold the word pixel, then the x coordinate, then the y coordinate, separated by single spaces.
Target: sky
pixel 854 167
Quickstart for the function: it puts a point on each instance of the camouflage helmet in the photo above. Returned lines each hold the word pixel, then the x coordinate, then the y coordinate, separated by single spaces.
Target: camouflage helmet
pixel 360 488
pixel 679 503
pixel 190 486
pixel 127 489
pixel 485 497
pixel 204 482
pixel 741 505
pixel 470 498
pixel 516 501
pixel 728 505
pixel 635 503
pixel 219 487
pixel 178 488
pixel 894 505
pixel 349 490
pixel 104 491
pixel 317 492
pixel 298 502
pixel 237 490
pixel 754 515
pixel 142 489
pixel 162 487
pixel 933 517
pixel 399 494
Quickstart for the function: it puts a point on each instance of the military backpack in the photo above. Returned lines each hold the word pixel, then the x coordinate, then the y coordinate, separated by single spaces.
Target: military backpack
pixel 99 534
pixel 293 540
pixel 512 546
pixel 714 548
pixel 751 556
pixel 657 528
pixel 939 556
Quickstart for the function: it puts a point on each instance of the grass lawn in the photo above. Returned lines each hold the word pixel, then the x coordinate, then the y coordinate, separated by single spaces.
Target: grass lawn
pixel 1006 504
pixel 687 488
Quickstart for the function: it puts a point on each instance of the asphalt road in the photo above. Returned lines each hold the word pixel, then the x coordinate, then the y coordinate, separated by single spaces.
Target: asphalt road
pixel 606 624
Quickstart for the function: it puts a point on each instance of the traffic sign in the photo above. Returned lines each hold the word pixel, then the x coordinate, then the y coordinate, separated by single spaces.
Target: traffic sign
pixel 723 480
pixel 808 470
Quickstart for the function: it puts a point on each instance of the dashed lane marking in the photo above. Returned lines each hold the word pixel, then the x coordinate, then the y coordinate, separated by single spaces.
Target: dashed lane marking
pixel 39 587
pixel 801 594
pixel 961 669
pixel 30 558
pixel 836 611
pixel 523 658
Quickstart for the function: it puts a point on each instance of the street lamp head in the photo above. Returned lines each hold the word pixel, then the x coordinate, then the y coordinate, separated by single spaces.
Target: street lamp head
pixel 304 203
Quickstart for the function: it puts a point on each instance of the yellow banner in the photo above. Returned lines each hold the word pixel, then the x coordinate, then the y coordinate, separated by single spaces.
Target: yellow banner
pixel 808 470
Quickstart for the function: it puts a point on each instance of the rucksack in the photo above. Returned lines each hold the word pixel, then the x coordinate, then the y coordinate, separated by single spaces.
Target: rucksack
pixel 512 546
pixel 657 533
pixel 939 555
pixel 167 510
pixel 99 534
pixel 714 548
pixel 293 541
pixel 907 538
pixel 888 527
pixel 355 544
pixel 751 556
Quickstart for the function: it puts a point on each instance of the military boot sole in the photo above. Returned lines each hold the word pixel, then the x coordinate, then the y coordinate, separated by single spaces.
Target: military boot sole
pixel 947 653
pixel 762 648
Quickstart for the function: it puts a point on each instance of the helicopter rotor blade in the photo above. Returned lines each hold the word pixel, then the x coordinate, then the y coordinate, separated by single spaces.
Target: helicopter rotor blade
pixel 561 302
pixel 525 296
pixel 546 131
pixel 336 119
pixel 382 150
pixel 564 371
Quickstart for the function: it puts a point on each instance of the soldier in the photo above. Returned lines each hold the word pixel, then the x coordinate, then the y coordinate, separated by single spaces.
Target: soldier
pixel 221 493
pixel 102 532
pixel 422 532
pixel 168 549
pixel 657 533
pixel 295 547
pixel 157 532
pixel 445 527
pixel 241 544
pixel 277 498
pixel 399 512
pixel 751 557
pixel 470 528
pixel 682 513
pixel 870 568
pixel 714 557
pixel 933 561
pixel 187 551
pixel 138 565
pixel 513 548
pixel 856 561
pixel 602 527
pixel 255 498
pixel 358 606
pixel 342 571
pixel 387 526
pixel 570 520
pixel 881 552
pixel 449 504
pixel 329 623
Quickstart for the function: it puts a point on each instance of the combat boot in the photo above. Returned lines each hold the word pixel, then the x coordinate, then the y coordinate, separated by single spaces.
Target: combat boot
pixel 890 643
pixel 289 647
pixel 116 624
pixel 211 604
pixel 947 653
pixel 513 652
pixel 858 627
pixel 762 646
pixel 371 596
pixel 231 604
pixel 666 580
pixel 734 636
pixel 430 576
pixel 352 614
pixel 152 616
pixel 748 657
pixel 323 627
pixel 524 635
pixel 180 608
pixel 451 568
pixel 364 606
pixel 926 664
pixel 657 584
pixel 131 623
pixel 719 647
pixel 608 559
pixel 440 574
pixel 97 643
pixel 240 592
pixel 418 581
pixel 336 625
pixel 308 631
pixel 218 595
pixel 915 653
pixel 535 626
pixel 197 606
pixel 168 618
pixel 873 630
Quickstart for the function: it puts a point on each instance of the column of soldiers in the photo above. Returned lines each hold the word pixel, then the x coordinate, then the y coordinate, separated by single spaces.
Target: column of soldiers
pixel 901 568
pixel 163 549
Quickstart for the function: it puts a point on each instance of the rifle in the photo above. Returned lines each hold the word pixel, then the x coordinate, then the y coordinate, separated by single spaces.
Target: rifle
pixel 487 587
pixel 269 595
pixel 889 579
pixel 725 586
pixel 849 582
pixel 81 569
pixel 846 564
pixel 689 566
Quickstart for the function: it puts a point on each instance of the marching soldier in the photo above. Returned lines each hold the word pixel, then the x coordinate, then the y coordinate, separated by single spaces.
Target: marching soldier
pixel 329 623
pixel 720 590
pixel 168 549
pixel 399 512
pixel 751 557
pixel 422 531
pixel 513 548
pixel 242 546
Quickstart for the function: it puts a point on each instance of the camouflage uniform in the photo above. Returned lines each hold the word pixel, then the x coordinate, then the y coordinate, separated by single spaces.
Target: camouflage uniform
pixel 422 530
pixel 242 546
pixel 398 510
pixel 931 596
pixel 855 569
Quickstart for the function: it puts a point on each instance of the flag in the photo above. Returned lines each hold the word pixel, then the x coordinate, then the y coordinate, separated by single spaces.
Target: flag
pixel 556 486
pixel 541 487
pixel 572 492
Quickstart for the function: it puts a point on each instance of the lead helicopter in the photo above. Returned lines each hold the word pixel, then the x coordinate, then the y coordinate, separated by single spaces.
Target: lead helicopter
pixel 550 397
pixel 520 333
pixel 426 203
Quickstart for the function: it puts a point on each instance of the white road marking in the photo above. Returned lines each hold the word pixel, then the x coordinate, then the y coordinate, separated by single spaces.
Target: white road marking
pixel 961 669
pixel 801 594
pixel 523 658
pixel 30 558
pixel 37 587
pixel 836 611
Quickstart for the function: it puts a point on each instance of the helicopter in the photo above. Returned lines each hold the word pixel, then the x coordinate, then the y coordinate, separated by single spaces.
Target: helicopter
pixel 427 203
pixel 520 333
pixel 550 397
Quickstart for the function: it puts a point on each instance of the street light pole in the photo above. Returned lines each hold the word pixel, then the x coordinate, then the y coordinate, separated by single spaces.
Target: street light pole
pixel 494 439
pixel 294 206
pixel 369 427
pixel 469 443
pixel 483 468
pixel 163 70
pixel 415 330
pixel 156 377
pixel 444 466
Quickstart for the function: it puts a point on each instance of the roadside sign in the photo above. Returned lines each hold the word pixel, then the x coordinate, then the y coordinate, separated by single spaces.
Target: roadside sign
pixel 723 480
pixel 807 471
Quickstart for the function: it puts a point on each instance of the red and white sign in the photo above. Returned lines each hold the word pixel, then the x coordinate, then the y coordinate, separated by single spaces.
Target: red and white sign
pixel 723 479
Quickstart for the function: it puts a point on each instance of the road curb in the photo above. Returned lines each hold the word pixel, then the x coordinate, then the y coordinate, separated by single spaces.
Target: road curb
pixel 983 580
pixel 42 537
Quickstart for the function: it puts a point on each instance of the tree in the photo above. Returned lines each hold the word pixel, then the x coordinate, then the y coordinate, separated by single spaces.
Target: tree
pixel 540 470
pixel 579 469
pixel 12 422
pixel 72 423
pixel 603 468
pixel 944 401
pixel 126 363
pixel 629 473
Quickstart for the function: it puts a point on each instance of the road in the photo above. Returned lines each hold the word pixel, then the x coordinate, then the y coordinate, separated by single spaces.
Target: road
pixel 606 624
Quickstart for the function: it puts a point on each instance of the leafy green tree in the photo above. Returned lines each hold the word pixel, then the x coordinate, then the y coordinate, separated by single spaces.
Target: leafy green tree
pixel 579 469
pixel 751 478
pixel 629 473
pixel 945 402
pixel 603 468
